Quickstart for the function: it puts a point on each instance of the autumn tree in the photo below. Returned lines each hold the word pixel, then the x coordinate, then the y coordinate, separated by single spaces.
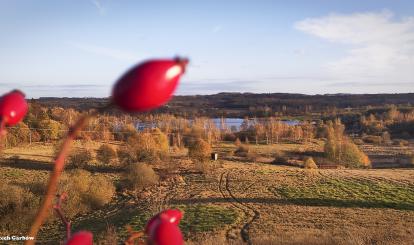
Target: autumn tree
pixel 125 131
pixel 200 150
pixel 50 129
pixel 341 149
pixel 19 134
pixel 259 131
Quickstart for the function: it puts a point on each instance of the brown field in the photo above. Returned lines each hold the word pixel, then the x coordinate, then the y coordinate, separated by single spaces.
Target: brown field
pixel 244 201
pixel 388 156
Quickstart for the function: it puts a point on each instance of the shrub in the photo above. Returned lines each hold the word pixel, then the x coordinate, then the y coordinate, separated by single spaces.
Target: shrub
pixel 242 150
pixel 386 137
pixel 400 142
pixel 279 157
pixel 80 157
pixel 358 141
pixel 203 167
pixel 411 160
pixel 37 187
pixel 237 142
pixel 346 153
pixel 172 166
pixel 352 156
pixel 161 141
pixel 75 184
pixel 35 136
pixel 125 132
pixel 200 150
pixel 229 137
pixel 310 163
pixel 252 156
pixel 109 236
pixel 85 191
pixel 17 135
pixel 125 156
pixel 100 192
pixel 105 154
pixel 140 175
pixel 102 132
pixel 371 139
pixel 145 147
pixel 16 204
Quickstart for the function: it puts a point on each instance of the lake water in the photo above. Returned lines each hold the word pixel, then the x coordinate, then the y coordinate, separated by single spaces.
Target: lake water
pixel 231 123
pixel 235 123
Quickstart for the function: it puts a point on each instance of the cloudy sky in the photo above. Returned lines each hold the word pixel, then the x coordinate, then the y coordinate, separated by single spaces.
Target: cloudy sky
pixel 79 48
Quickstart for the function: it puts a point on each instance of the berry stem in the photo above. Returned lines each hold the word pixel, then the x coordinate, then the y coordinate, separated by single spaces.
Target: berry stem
pixel 44 209
pixel 3 133
pixel 133 235
pixel 58 209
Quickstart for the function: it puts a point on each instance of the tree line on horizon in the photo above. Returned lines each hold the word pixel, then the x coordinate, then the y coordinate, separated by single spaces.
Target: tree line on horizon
pixel 50 124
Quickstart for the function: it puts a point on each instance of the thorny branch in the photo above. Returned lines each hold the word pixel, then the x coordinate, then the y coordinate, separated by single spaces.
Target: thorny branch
pixel 58 208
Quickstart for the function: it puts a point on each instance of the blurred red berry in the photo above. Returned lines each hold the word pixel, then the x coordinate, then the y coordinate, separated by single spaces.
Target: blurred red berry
pixel 81 238
pixel 148 85
pixel 166 233
pixel 151 224
pixel 173 216
pixel 13 107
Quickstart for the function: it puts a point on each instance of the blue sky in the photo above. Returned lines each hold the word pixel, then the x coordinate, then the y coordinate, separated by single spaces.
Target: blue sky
pixel 79 48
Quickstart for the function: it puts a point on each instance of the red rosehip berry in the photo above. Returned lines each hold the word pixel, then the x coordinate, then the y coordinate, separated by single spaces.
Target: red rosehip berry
pixel 13 107
pixel 152 224
pixel 166 233
pixel 81 238
pixel 173 216
pixel 148 85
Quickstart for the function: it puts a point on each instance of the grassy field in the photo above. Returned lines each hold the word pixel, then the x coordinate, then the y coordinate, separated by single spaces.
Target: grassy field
pixel 350 192
pixel 241 201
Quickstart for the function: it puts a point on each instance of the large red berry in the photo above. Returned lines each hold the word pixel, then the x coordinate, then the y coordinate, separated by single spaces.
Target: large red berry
pixel 173 216
pixel 148 85
pixel 166 233
pixel 81 238
pixel 152 224
pixel 13 107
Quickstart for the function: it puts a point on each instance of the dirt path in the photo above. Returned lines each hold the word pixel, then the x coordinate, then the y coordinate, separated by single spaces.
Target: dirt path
pixel 247 209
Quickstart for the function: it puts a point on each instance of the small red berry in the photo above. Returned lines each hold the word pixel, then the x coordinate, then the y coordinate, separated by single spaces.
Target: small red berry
pixel 81 238
pixel 13 107
pixel 166 233
pixel 173 216
pixel 148 85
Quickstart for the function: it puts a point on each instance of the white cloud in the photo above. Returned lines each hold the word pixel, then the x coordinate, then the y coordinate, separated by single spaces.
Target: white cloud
pixel 380 48
pixel 107 52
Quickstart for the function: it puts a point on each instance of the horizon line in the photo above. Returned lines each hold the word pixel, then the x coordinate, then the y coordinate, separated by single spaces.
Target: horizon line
pixel 233 93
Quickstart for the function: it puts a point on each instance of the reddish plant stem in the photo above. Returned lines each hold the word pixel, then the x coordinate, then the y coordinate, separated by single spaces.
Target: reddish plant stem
pixel 134 235
pixel 44 209
pixel 3 133
pixel 58 209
